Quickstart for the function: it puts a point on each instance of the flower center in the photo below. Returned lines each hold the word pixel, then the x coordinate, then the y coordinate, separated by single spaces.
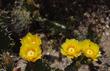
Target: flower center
pixel 89 52
pixel 30 53
pixel 33 42
pixel 71 49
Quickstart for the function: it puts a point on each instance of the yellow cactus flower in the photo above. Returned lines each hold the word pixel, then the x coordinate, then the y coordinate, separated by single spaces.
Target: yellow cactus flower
pixel 30 53
pixel 30 49
pixel 90 49
pixel 30 39
pixel 70 48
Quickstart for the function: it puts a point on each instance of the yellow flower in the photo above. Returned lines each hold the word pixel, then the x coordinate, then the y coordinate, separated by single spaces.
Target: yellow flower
pixel 30 49
pixel 30 39
pixel 90 49
pixel 70 48
pixel 30 53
